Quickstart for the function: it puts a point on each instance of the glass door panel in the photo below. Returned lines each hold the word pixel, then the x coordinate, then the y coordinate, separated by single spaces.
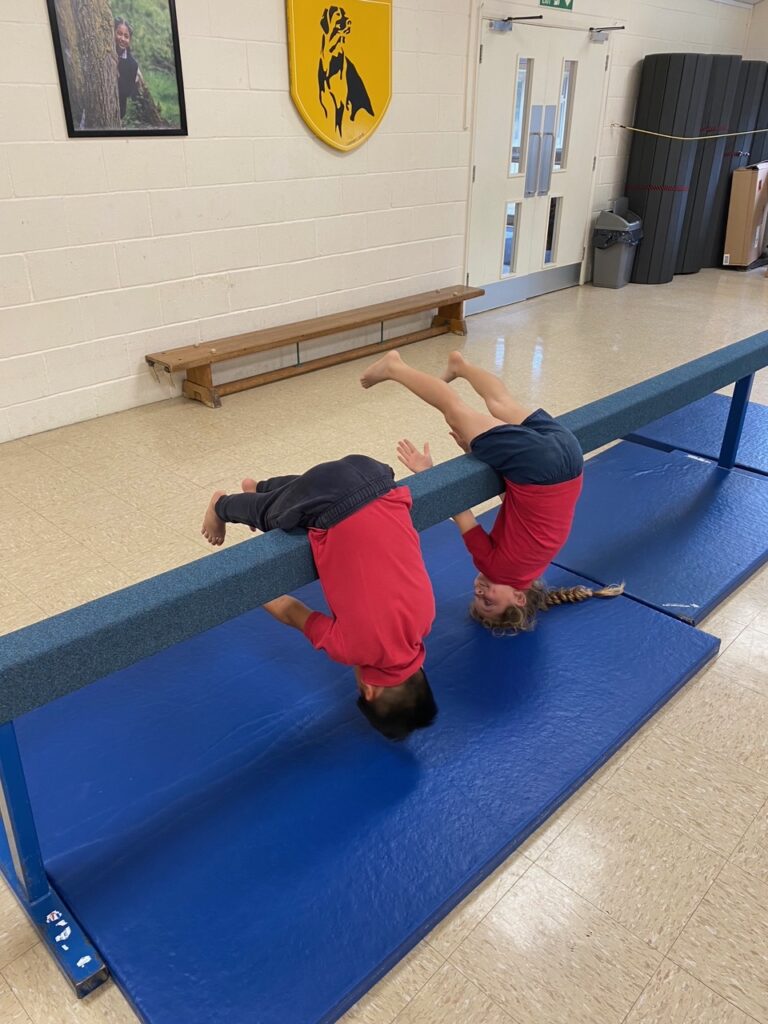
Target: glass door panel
pixel 511 227
pixel 520 116
pixel 553 223
pixel 567 99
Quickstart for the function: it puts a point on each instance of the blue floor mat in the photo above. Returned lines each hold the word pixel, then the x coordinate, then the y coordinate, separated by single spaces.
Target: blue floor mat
pixel 698 428
pixel 241 845
pixel 679 531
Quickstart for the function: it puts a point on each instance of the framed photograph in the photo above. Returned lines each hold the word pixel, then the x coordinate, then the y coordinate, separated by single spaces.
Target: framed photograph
pixel 119 67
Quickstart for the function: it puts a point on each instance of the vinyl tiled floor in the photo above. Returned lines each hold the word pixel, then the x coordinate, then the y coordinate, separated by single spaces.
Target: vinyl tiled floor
pixel 645 898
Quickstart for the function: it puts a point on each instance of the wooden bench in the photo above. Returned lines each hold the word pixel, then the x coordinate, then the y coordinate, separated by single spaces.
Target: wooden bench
pixel 198 360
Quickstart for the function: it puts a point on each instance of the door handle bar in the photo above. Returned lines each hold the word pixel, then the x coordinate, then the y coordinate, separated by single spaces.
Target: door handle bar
pixel 547 158
pixel 533 168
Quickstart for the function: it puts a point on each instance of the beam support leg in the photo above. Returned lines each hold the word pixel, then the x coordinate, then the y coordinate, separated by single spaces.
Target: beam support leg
pixel 22 864
pixel 20 829
pixel 735 422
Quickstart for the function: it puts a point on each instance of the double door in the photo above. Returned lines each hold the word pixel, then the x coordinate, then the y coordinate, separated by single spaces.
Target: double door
pixel 536 129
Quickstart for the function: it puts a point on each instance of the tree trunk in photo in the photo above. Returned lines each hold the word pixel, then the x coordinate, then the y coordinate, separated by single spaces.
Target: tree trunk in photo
pixel 146 108
pixel 65 17
pixel 96 46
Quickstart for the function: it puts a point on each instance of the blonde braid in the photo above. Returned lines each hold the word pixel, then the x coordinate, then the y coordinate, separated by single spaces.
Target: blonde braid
pixel 539 598
pixel 573 595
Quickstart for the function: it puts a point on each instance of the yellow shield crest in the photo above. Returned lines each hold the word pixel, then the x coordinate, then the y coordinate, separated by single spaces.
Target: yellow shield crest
pixel 340 60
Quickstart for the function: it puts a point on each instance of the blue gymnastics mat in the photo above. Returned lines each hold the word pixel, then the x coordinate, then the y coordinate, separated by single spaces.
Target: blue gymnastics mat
pixel 698 428
pixel 241 846
pixel 681 532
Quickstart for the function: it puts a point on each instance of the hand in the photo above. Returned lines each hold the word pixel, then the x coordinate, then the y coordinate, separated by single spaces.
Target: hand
pixel 412 458
pixel 459 440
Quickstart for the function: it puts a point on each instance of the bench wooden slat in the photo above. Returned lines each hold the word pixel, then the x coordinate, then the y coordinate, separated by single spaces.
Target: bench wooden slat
pixel 198 359
pixel 233 387
pixel 207 353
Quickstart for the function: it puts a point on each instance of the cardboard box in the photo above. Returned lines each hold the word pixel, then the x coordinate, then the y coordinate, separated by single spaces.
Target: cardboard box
pixel 745 234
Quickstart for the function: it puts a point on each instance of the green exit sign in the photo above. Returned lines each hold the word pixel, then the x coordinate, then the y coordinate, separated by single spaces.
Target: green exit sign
pixel 562 5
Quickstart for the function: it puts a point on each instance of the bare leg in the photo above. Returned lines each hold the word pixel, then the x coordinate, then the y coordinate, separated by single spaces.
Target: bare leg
pixel 464 422
pixel 498 400
pixel 214 529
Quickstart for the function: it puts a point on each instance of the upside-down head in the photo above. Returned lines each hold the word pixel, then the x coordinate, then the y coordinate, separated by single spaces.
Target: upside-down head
pixel 395 711
pixel 506 611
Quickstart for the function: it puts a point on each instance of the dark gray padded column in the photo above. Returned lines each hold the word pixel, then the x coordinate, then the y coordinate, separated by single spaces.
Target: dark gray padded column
pixel 673 91
pixel 759 148
pixel 749 96
pixel 717 119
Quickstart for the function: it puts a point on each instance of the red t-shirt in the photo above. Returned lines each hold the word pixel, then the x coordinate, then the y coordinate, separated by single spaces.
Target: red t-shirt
pixel 373 577
pixel 532 525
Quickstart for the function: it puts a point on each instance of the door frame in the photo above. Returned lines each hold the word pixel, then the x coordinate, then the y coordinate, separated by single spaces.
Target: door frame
pixel 558 277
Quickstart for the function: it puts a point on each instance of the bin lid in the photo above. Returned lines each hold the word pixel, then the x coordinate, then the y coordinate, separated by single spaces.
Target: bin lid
pixel 608 221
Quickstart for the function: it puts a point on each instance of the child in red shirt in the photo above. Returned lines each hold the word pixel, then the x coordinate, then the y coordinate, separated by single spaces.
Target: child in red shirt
pixel 369 561
pixel 541 463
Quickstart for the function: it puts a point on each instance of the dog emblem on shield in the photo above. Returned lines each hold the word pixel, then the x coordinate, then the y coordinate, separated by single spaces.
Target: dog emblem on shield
pixel 341 67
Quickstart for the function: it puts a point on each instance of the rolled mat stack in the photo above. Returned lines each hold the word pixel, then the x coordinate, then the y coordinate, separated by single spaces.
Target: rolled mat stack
pixel 673 90
pixel 681 189
pixel 708 162
pixel 737 153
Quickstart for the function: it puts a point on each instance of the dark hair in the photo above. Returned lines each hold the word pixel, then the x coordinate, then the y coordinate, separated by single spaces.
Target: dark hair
pixel 122 21
pixel 398 710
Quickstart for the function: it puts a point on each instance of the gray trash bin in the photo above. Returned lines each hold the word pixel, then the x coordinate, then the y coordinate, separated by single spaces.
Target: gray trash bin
pixel 615 239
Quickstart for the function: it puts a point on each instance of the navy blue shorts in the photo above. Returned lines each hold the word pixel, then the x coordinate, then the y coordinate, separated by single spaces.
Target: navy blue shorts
pixel 537 451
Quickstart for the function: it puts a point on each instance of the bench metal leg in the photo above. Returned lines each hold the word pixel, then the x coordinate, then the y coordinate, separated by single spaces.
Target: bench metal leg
pixel 199 385
pixel 21 863
pixel 735 422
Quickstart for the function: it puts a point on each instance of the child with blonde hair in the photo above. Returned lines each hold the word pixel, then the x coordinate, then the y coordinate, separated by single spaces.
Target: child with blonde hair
pixel 541 463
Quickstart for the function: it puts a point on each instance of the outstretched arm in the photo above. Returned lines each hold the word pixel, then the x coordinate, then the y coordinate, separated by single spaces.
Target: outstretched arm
pixel 288 611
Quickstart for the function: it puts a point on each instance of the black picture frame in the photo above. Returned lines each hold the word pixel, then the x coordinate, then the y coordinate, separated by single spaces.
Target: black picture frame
pixel 84 71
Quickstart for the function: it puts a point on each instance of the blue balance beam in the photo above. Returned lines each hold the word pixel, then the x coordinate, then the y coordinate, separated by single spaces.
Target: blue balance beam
pixel 59 655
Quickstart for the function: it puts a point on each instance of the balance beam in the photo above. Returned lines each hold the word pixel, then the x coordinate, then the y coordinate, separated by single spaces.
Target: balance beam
pixel 59 655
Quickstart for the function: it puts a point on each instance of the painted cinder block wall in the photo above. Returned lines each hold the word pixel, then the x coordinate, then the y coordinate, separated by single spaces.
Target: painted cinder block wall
pixel 757 42
pixel 113 248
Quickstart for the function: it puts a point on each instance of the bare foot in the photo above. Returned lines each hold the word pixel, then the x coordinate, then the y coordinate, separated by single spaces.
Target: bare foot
pixel 214 529
pixel 456 362
pixel 249 486
pixel 381 370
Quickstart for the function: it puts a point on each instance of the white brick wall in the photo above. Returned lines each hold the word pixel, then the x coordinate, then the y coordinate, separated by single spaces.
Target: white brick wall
pixel 113 248
pixel 758 33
